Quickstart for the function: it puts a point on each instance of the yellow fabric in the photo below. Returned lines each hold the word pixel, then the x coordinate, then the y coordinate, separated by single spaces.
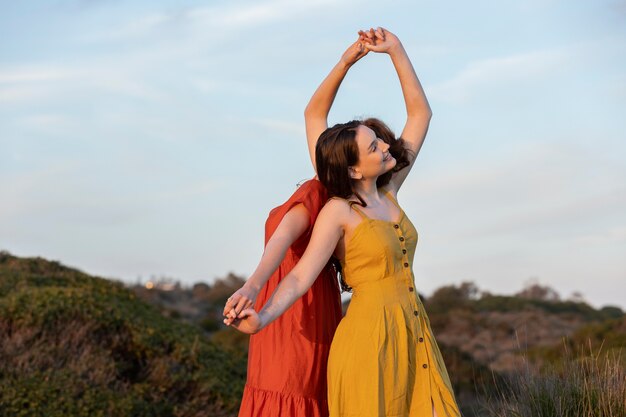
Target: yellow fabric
pixel 378 353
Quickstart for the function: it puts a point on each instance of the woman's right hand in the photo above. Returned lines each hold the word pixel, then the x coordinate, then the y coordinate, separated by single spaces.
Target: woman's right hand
pixel 248 321
pixel 241 299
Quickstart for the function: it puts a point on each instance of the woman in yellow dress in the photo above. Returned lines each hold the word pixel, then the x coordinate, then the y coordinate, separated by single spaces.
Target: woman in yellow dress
pixel 384 360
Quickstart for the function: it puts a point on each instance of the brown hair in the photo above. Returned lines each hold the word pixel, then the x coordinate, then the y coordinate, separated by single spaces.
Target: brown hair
pixel 337 150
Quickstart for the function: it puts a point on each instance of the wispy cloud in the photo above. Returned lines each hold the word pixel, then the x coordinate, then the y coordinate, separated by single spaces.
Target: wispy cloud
pixel 534 190
pixel 495 73
pixel 21 74
pixel 138 27
pixel 251 14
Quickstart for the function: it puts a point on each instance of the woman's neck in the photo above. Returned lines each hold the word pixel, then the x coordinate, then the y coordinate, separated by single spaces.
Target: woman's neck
pixel 368 191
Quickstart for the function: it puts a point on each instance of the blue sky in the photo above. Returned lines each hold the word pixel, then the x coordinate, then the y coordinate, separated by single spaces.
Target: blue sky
pixel 152 138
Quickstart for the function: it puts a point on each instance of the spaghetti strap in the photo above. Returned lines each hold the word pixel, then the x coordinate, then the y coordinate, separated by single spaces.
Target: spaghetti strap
pixel 393 200
pixel 355 207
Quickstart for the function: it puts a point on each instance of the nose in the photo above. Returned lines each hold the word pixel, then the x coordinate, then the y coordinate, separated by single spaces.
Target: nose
pixel 385 145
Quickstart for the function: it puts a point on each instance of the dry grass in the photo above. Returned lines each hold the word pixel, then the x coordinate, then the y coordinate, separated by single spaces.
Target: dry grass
pixel 591 385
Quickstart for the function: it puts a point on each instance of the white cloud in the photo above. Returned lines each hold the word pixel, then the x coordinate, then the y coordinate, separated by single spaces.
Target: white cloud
pixel 138 27
pixel 494 73
pixel 555 190
pixel 254 13
pixel 34 74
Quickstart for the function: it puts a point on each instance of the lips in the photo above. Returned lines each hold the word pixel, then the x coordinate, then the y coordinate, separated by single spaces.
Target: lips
pixel 387 157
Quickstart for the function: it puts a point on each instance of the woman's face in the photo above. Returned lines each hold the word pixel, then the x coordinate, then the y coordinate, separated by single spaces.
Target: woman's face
pixel 374 156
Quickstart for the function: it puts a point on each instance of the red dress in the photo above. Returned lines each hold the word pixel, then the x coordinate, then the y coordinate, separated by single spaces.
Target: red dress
pixel 287 359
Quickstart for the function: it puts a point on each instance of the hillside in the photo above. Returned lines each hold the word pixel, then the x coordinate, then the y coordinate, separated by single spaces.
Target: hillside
pixel 502 332
pixel 483 337
pixel 77 345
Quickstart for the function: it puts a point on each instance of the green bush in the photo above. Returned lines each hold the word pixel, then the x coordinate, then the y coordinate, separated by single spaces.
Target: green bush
pixel 76 345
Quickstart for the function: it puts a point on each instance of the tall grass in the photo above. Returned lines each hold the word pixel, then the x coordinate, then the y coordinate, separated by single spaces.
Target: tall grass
pixel 593 385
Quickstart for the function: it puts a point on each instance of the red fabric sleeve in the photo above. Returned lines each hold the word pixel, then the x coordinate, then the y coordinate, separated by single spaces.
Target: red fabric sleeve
pixel 313 195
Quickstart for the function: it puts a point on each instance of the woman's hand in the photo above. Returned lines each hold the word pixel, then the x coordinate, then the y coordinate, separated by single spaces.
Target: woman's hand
pixel 379 40
pixel 248 321
pixel 242 299
pixel 354 52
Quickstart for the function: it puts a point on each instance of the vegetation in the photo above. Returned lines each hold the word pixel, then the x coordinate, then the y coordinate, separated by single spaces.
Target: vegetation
pixel 76 345
pixel 590 386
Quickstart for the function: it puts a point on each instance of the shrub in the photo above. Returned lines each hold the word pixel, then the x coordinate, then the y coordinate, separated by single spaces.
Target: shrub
pixel 76 345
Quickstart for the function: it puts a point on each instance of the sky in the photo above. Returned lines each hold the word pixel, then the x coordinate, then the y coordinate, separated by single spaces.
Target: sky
pixel 150 139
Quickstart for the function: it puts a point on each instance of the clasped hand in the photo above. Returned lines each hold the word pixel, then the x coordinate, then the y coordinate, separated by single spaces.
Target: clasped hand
pixel 376 40
pixel 238 311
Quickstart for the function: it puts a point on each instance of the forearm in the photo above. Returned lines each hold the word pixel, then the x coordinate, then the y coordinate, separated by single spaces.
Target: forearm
pixel 290 289
pixel 414 96
pixel 322 100
pixel 273 255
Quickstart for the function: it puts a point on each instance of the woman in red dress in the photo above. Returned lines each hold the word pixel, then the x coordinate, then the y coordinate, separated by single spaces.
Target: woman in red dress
pixel 287 360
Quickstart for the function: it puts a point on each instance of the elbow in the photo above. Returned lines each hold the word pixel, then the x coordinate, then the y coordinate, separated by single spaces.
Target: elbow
pixel 427 113
pixel 310 113
pixel 308 110
pixel 422 117
pixel 423 112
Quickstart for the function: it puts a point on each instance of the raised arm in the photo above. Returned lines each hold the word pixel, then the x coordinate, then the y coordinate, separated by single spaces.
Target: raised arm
pixel 417 107
pixel 316 112
pixel 326 233
pixel 290 228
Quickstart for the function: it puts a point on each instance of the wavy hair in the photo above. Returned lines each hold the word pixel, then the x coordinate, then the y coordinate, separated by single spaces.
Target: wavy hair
pixel 337 150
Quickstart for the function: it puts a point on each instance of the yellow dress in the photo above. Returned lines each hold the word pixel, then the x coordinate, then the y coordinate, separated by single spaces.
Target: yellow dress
pixel 384 360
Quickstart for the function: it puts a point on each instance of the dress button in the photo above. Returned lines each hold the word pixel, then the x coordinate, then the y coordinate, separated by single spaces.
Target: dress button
pixel 424 366
pixel 416 313
pixel 395 226
pixel 403 250
pixel 401 238
pixel 406 264
pixel 411 289
pixel 421 339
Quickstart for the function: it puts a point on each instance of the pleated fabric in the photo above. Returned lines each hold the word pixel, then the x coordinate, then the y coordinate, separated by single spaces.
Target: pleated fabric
pixel 384 360
pixel 287 360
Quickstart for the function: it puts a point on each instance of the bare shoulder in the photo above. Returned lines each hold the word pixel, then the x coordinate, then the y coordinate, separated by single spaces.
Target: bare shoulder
pixel 336 208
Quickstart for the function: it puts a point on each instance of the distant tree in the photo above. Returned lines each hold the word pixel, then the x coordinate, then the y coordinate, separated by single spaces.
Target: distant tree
pixel 223 288
pixel 453 297
pixel 577 297
pixel 200 291
pixel 535 291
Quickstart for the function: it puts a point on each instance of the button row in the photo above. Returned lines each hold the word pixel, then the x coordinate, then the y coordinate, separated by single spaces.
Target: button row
pixel 406 264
